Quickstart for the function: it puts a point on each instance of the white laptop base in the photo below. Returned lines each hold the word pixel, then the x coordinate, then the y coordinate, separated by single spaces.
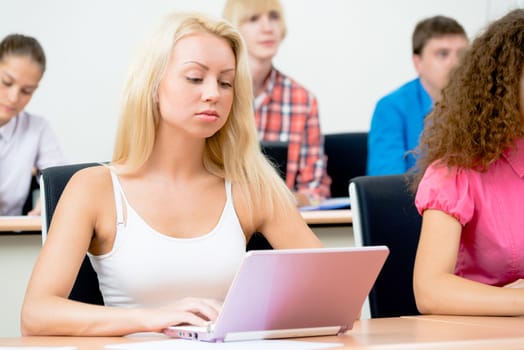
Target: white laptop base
pixel 200 333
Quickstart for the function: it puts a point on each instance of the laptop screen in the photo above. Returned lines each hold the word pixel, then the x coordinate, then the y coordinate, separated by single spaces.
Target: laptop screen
pixel 294 292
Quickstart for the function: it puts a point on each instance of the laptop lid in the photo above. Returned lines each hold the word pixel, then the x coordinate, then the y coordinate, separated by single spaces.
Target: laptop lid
pixel 276 153
pixel 295 292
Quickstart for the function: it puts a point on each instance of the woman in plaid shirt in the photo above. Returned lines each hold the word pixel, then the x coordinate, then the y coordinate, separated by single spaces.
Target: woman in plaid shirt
pixel 284 110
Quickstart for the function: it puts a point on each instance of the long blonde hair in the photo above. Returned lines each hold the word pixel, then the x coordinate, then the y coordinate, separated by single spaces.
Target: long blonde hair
pixel 233 152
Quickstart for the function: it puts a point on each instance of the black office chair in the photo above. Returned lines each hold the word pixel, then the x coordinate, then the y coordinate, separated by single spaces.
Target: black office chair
pixel 347 158
pixel 54 180
pixel 276 152
pixel 384 213
pixel 33 187
pixel 258 242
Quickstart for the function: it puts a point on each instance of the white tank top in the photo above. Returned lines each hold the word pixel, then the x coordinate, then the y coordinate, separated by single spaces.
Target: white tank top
pixel 148 268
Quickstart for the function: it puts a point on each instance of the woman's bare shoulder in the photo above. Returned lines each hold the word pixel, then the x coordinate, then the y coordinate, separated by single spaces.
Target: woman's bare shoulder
pixel 91 179
pixel 251 209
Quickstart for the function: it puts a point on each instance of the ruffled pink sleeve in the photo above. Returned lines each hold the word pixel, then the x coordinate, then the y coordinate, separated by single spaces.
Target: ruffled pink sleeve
pixel 447 190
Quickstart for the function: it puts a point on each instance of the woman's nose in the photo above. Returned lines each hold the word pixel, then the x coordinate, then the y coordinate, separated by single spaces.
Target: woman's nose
pixel 210 92
pixel 13 95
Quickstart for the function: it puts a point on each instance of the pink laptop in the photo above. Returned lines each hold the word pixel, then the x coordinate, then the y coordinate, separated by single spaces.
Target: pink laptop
pixel 293 293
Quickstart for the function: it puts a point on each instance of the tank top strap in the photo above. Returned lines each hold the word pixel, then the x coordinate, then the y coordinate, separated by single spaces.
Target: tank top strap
pixel 229 197
pixel 119 194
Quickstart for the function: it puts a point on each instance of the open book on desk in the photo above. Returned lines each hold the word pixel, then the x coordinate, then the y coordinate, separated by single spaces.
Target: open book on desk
pixel 329 204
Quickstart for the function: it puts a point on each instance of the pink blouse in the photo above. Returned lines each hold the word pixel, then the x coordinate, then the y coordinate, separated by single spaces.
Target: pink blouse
pixel 490 208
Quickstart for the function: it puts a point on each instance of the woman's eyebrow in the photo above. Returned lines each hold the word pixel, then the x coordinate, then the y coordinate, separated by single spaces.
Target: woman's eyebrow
pixel 207 68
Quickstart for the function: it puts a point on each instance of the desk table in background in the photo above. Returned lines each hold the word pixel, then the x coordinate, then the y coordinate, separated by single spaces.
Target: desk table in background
pixel 20 223
pixel 313 217
pixel 328 217
pixel 417 332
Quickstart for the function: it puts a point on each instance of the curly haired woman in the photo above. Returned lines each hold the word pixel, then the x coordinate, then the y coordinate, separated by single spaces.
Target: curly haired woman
pixel 470 183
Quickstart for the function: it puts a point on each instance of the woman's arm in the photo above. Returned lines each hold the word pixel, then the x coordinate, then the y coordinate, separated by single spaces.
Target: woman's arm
pixel 439 291
pixel 84 214
pixel 283 226
pixel 286 229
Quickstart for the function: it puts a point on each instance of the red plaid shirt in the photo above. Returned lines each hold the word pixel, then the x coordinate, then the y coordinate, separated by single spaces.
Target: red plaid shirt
pixel 286 111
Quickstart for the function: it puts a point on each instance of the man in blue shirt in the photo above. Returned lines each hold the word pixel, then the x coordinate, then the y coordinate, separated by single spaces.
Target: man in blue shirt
pixel 399 116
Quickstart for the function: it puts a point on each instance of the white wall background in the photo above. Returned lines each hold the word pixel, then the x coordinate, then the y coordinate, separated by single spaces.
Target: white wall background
pixel 348 52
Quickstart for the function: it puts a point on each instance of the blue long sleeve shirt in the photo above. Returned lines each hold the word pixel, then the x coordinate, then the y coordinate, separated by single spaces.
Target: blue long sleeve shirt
pixel 396 126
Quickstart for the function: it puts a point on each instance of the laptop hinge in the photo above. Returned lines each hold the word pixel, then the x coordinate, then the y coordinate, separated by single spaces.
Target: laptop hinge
pixel 343 330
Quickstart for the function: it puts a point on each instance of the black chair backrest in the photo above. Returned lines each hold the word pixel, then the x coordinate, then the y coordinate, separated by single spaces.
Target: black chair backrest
pixel 384 213
pixel 276 152
pixel 28 204
pixel 258 242
pixel 347 158
pixel 54 180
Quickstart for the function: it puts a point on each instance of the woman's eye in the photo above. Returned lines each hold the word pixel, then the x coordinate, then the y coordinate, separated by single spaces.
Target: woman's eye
pixel 194 80
pixel 226 84
pixel 6 83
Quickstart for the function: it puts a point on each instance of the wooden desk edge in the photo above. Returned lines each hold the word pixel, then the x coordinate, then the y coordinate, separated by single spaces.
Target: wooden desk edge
pixel 337 216
pixel 380 333
pixel 34 223
pixel 20 223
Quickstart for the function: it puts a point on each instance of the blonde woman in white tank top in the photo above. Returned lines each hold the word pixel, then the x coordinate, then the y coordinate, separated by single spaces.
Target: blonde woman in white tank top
pixel 187 187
